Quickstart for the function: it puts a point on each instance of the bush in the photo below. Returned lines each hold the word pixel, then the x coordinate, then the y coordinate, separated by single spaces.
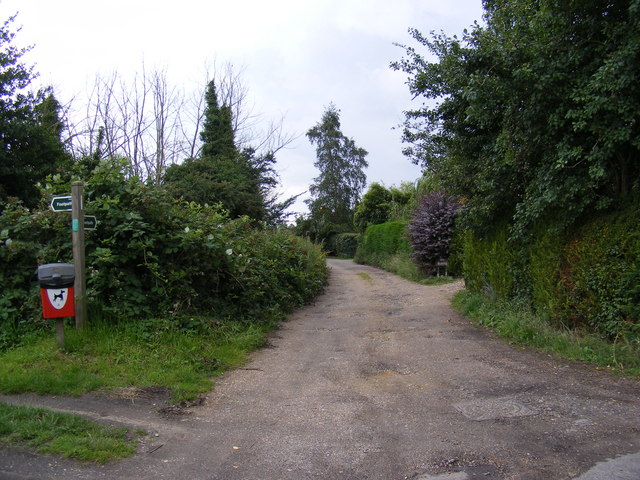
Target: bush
pixel 586 279
pixel 153 256
pixel 22 249
pixel 431 229
pixel 384 239
pixel 374 207
pixel 599 274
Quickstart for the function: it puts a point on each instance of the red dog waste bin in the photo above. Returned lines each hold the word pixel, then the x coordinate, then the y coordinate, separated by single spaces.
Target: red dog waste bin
pixel 56 289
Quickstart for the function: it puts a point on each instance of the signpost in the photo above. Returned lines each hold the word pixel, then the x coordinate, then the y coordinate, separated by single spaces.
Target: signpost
pixel 77 241
pixel 79 223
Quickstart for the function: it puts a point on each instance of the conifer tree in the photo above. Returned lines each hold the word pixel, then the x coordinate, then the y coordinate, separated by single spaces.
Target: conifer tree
pixel 337 190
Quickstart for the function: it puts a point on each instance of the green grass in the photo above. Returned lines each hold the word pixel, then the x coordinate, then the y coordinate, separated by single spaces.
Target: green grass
pixel 365 276
pixel 520 326
pixel 63 434
pixel 402 265
pixel 182 356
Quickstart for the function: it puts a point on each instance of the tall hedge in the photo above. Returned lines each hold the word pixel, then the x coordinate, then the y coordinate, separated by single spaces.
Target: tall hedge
pixel 586 278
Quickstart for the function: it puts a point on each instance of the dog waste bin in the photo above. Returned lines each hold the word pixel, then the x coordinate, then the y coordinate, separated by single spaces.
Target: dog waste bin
pixel 56 289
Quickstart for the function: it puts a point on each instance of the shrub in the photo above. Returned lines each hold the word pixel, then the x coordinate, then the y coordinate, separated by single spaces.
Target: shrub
pixel 599 274
pixel 587 278
pixel 431 229
pixel 380 240
pixel 22 249
pixel 153 256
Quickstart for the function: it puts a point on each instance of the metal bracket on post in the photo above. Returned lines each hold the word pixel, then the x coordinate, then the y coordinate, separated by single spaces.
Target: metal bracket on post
pixel 77 235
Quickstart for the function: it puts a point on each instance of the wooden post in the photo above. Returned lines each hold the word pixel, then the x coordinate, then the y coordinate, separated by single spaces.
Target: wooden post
pixel 77 235
pixel 60 332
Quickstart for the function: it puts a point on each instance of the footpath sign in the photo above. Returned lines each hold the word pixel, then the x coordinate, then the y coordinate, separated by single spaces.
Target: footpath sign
pixel 61 203
pixel 90 222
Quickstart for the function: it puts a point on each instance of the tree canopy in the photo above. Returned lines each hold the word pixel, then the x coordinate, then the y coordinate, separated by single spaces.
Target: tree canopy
pixel 221 174
pixel 30 128
pixel 374 207
pixel 337 190
pixel 537 110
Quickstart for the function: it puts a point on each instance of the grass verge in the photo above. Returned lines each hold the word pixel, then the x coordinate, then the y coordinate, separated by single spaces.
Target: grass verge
pixel 63 434
pixel 182 356
pixel 402 265
pixel 520 326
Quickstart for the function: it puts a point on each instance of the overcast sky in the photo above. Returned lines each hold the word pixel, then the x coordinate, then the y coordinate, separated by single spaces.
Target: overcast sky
pixel 296 57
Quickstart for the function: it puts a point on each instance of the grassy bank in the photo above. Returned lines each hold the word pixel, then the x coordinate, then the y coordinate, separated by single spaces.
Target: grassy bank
pixel 181 356
pixel 62 434
pixel 520 326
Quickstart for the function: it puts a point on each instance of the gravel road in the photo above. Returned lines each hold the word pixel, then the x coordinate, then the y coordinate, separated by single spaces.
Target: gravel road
pixel 379 379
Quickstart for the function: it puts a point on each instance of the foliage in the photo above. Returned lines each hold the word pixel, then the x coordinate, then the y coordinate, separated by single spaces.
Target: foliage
pixel 403 201
pixel 336 191
pixel 536 128
pixel 222 175
pixel 343 244
pixel 520 325
pixel 386 246
pixel 154 256
pixel 217 131
pixel 30 145
pixel 26 241
pixel 231 183
pixel 537 114
pixel 388 238
pixel 599 272
pixel 582 279
pixel 431 229
pixel 490 262
pixel 374 208
pixel 68 435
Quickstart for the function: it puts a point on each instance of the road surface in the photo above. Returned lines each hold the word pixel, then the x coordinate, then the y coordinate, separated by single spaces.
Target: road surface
pixel 379 379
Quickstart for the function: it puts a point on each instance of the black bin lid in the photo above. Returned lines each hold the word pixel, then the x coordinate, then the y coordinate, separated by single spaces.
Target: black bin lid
pixel 60 275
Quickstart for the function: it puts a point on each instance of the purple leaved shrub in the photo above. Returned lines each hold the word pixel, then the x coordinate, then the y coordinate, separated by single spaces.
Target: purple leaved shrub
pixel 431 229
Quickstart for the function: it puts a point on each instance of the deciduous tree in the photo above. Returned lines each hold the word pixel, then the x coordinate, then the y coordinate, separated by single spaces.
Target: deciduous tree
pixel 538 110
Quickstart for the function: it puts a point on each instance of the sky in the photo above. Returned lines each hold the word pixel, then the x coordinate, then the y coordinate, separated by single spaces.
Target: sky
pixel 295 58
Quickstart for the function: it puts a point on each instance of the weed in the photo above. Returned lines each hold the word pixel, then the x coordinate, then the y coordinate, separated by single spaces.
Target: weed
pixel 365 276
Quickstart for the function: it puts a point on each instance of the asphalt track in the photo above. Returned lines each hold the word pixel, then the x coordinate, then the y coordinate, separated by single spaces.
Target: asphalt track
pixel 379 379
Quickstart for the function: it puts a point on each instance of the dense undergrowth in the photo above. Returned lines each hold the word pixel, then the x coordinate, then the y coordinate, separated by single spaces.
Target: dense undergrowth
pixel 153 257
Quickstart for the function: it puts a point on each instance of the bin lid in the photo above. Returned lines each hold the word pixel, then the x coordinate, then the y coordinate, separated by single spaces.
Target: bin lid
pixel 56 275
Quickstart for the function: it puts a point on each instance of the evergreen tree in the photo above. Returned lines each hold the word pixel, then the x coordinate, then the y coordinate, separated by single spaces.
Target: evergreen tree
pixel 217 130
pixel 30 127
pixel 336 191
pixel 221 175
